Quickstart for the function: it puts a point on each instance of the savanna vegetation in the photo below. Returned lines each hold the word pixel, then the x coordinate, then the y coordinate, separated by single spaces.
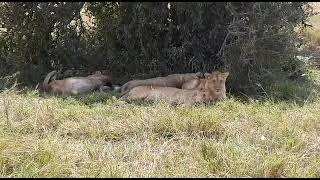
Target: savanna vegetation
pixel 268 127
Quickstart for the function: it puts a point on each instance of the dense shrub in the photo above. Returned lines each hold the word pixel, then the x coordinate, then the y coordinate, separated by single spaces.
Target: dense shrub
pixel 253 40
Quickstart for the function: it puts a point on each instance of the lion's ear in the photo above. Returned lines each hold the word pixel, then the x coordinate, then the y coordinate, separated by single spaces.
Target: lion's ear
pixel 225 74
pixel 199 74
pixel 98 72
pixel 206 75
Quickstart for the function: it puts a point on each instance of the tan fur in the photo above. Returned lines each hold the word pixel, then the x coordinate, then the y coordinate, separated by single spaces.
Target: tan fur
pixel 173 80
pixel 168 94
pixel 75 85
pixel 214 82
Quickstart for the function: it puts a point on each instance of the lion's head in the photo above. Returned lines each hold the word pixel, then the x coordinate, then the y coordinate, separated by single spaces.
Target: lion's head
pixel 216 83
pixel 105 78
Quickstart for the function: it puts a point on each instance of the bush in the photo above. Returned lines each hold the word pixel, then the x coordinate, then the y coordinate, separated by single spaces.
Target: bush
pixel 253 40
pixel 28 40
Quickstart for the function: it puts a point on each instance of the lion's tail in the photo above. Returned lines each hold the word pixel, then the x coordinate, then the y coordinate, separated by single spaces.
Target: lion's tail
pixel 131 84
pixel 116 88
pixel 123 97
pixel 53 75
pixel 124 92
pixel 125 88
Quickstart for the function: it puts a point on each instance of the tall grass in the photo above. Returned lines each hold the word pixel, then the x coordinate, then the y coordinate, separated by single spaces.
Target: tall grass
pixel 101 136
pixel 312 34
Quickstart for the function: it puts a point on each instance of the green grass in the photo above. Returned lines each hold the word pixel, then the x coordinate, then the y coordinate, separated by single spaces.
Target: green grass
pixel 302 90
pixel 101 136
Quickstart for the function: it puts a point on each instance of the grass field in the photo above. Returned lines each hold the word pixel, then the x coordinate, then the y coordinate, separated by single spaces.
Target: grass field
pixel 100 136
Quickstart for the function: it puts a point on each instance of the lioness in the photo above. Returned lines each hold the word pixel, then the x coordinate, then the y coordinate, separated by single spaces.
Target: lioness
pixel 75 85
pixel 173 80
pixel 169 94
pixel 215 81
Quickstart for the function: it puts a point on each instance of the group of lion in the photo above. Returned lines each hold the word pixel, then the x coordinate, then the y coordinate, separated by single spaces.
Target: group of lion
pixel 189 88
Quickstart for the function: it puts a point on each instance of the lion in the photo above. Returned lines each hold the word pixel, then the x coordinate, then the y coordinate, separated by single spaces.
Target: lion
pixel 75 85
pixel 170 95
pixel 215 81
pixel 173 80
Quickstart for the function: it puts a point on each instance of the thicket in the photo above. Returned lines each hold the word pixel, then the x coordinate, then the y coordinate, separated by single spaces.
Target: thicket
pixel 255 41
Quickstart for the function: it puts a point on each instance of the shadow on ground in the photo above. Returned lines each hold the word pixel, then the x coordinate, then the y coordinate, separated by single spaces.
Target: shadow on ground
pixel 299 91
pixel 304 89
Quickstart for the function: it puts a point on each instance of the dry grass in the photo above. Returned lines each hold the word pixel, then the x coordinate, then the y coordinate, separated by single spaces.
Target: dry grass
pixel 312 34
pixel 100 136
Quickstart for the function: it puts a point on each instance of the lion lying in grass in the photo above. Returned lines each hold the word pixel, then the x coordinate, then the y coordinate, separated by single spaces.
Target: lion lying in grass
pixel 202 90
pixel 75 85
pixel 170 95
pixel 173 80
pixel 215 81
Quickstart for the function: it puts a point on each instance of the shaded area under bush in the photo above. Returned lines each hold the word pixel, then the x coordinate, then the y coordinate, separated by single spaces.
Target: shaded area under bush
pixel 255 41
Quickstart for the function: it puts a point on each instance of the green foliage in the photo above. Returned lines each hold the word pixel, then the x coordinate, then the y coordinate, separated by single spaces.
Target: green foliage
pixel 28 40
pixel 8 81
pixel 263 50
pixel 304 89
pixel 152 38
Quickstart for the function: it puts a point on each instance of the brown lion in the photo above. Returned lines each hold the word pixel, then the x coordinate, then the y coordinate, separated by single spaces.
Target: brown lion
pixel 75 85
pixel 170 95
pixel 215 82
pixel 173 80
